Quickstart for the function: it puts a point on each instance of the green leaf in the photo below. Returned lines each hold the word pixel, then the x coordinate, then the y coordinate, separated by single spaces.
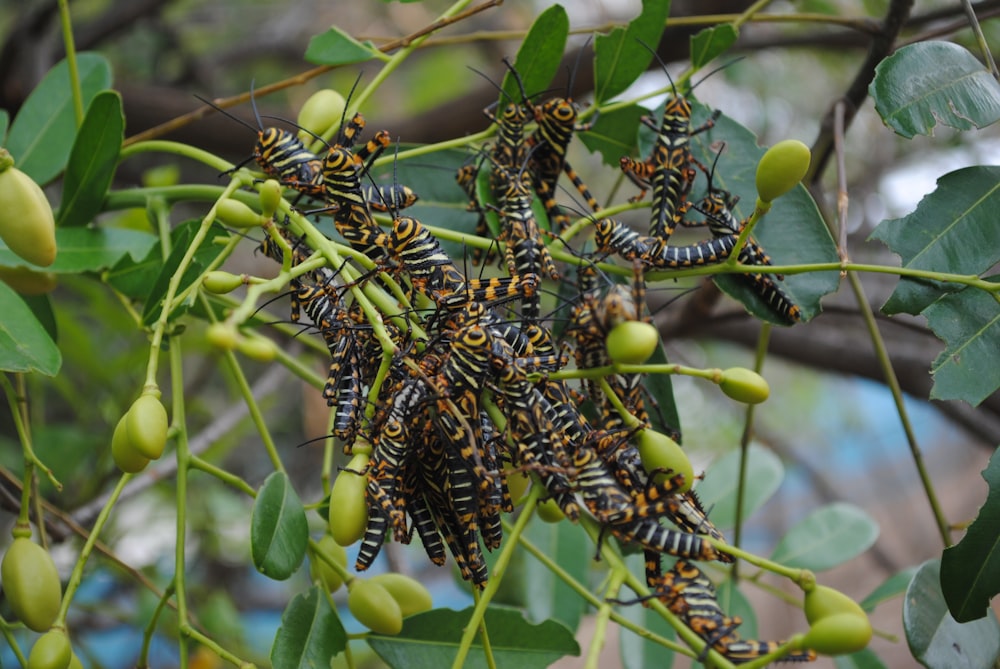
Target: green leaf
pixel 793 231
pixel 711 42
pixel 205 254
pixel 42 134
pixel 718 491
pixel 735 603
pixel 863 659
pixel 827 537
pixel 547 596
pixel 430 640
pixel 637 652
pixel 41 307
pixel 936 640
pixel 25 346
pixel 892 587
pixel 952 230
pixel 4 123
pixel 969 323
pixel 970 570
pixel 663 416
pixel 88 249
pixel 624 53
pixel 310 634
pixel 335 47
pixel 923 83
pixel 279 532
pixel 539 56
pixel 615 134
pixel 92 160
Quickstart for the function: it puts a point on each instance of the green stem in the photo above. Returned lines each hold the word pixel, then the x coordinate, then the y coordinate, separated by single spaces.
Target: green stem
pixel 226 477
pixel 12 643
pixel 176 148
pixel 319 553
pixel 889 374
pixel 977 30
pixel 602 618
pixel 187 630
pixel 183 455
pixel 252 407
pixel 749 13
pixel 17 400
pixel 150 629
pixel 74 72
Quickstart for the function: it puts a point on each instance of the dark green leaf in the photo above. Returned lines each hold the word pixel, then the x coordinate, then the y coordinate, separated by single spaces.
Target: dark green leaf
pixel 279 531
pixel 892 587
pixel 205 254
pixel 430 641
pixel 827 537
pixel 41 307
pixel 735 603
pixel 615 134
pixel 89 249
pixel 793 232
pixel 25 346
pixel 539 56
pixel 546 595
pixel 625 53
pixel 711 42
pixel 335 47
pixel 4 123
pixel 970 570
pixel 952 230
pixel 43 132
pixel 969 323
pixel 923 83
pixel 310 634
pixel 936 640
pixel 637 652
pixel 92 160
pixel 718 491
pixel 863 659
pixel 663 415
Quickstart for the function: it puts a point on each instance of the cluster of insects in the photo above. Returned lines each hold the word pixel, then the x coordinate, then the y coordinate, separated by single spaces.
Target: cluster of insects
pixel 464 389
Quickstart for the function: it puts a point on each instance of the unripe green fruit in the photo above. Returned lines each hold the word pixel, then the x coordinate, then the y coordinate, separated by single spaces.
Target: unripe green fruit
pixel 839 634
pixel 260 349
pixel 27 281
pixel 823 601
pixel 411 595
pixel 27 225
pixel 660 452
pixel 52 650
pixel 781 167
pixel 74 662
pixel 549 511
pixel 270 198
pixel 222 336
pixel 348 507
pixel 237 215
pixel 517 484
pixel 320 113
pixel 374 607
pixel 146 423
pixel 320 570
pixel 31 584
pixel 632 342
pixel 123 452
pixel 744 385
pixel 220 282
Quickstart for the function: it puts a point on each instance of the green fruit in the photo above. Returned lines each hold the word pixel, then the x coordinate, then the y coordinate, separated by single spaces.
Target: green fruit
pixel 632 342
pixel 348 506
pixel 744 385
pixel 839 634
pixel 823 601
pixel 549 511
pixel 320 113
pixel 235 214
pixel 660 452
pixel 517 484
pixel 780 168
pixel 220 283
pixel 146 423
pixel 27 281
pixel 74 662
pixel 324 573
pixel 374 607
pixel 270 198
pixel 27 225
pixel 52 650
pixel 31 584
pixel 123 452
pixel 257 348
pixel 409 593
pixel 222 336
